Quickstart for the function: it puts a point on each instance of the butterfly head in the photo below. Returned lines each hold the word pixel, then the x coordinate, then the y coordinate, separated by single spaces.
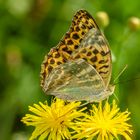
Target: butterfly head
pixel 111 89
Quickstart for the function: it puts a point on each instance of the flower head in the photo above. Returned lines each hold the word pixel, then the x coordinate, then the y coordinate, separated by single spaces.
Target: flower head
pixel 105 123
pixel 53 122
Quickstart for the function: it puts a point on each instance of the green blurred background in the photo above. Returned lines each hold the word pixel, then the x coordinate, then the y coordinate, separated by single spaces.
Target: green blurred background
pixel 29 28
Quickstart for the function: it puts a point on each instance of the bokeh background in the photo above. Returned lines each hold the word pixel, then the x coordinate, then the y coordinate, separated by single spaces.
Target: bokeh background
pixel 29 28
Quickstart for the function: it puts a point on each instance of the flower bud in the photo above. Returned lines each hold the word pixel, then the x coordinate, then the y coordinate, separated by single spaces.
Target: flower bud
pixel 102 19
pixel 134 23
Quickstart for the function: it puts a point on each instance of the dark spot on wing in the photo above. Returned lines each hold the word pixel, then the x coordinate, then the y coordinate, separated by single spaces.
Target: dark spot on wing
pixel 104 66
pixel 95 51
pixel 75 36
pixel 103 72
pixel 58 63
pixel 94 59
pixel 76 47
pixel 89 54
pixel 70 42
pixel 52 61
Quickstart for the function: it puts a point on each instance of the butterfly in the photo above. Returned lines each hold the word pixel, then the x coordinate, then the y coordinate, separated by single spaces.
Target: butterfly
pixel 79 67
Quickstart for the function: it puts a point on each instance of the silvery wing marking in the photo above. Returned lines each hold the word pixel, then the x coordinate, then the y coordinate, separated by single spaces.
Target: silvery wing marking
pixel 94 48
pixel 75 80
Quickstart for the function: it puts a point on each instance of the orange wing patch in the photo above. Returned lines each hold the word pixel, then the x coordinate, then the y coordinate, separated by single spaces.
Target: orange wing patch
pixel 81 24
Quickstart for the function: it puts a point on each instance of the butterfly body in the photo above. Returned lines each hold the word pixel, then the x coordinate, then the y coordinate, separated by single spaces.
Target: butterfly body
pixel 79 67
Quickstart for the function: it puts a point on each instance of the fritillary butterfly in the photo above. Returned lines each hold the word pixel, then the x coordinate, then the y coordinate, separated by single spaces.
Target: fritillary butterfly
pixel 79 67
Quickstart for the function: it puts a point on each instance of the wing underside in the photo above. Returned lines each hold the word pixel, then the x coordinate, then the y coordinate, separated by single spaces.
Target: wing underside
pixel 75 80
pixel 94 49
pixel 82 22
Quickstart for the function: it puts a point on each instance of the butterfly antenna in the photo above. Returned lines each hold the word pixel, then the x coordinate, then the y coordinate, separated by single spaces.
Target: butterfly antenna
pixel 116 97
pixel 120 73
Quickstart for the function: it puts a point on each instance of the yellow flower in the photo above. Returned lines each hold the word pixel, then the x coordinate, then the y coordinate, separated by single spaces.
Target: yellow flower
pixel 53 122
pixel 105 123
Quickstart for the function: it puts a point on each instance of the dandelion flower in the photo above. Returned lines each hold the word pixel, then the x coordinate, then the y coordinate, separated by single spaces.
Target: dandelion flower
pixel 53 122
pixel 105 123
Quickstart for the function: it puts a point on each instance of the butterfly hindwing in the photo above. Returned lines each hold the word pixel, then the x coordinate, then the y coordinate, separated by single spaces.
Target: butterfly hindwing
pixel 75 80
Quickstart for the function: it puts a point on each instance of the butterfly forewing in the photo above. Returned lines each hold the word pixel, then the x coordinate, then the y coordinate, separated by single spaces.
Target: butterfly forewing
pixel 81 24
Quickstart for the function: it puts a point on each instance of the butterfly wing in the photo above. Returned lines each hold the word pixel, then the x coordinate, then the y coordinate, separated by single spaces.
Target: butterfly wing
pixel 75 80
pixel 81 24
pixel 94 49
